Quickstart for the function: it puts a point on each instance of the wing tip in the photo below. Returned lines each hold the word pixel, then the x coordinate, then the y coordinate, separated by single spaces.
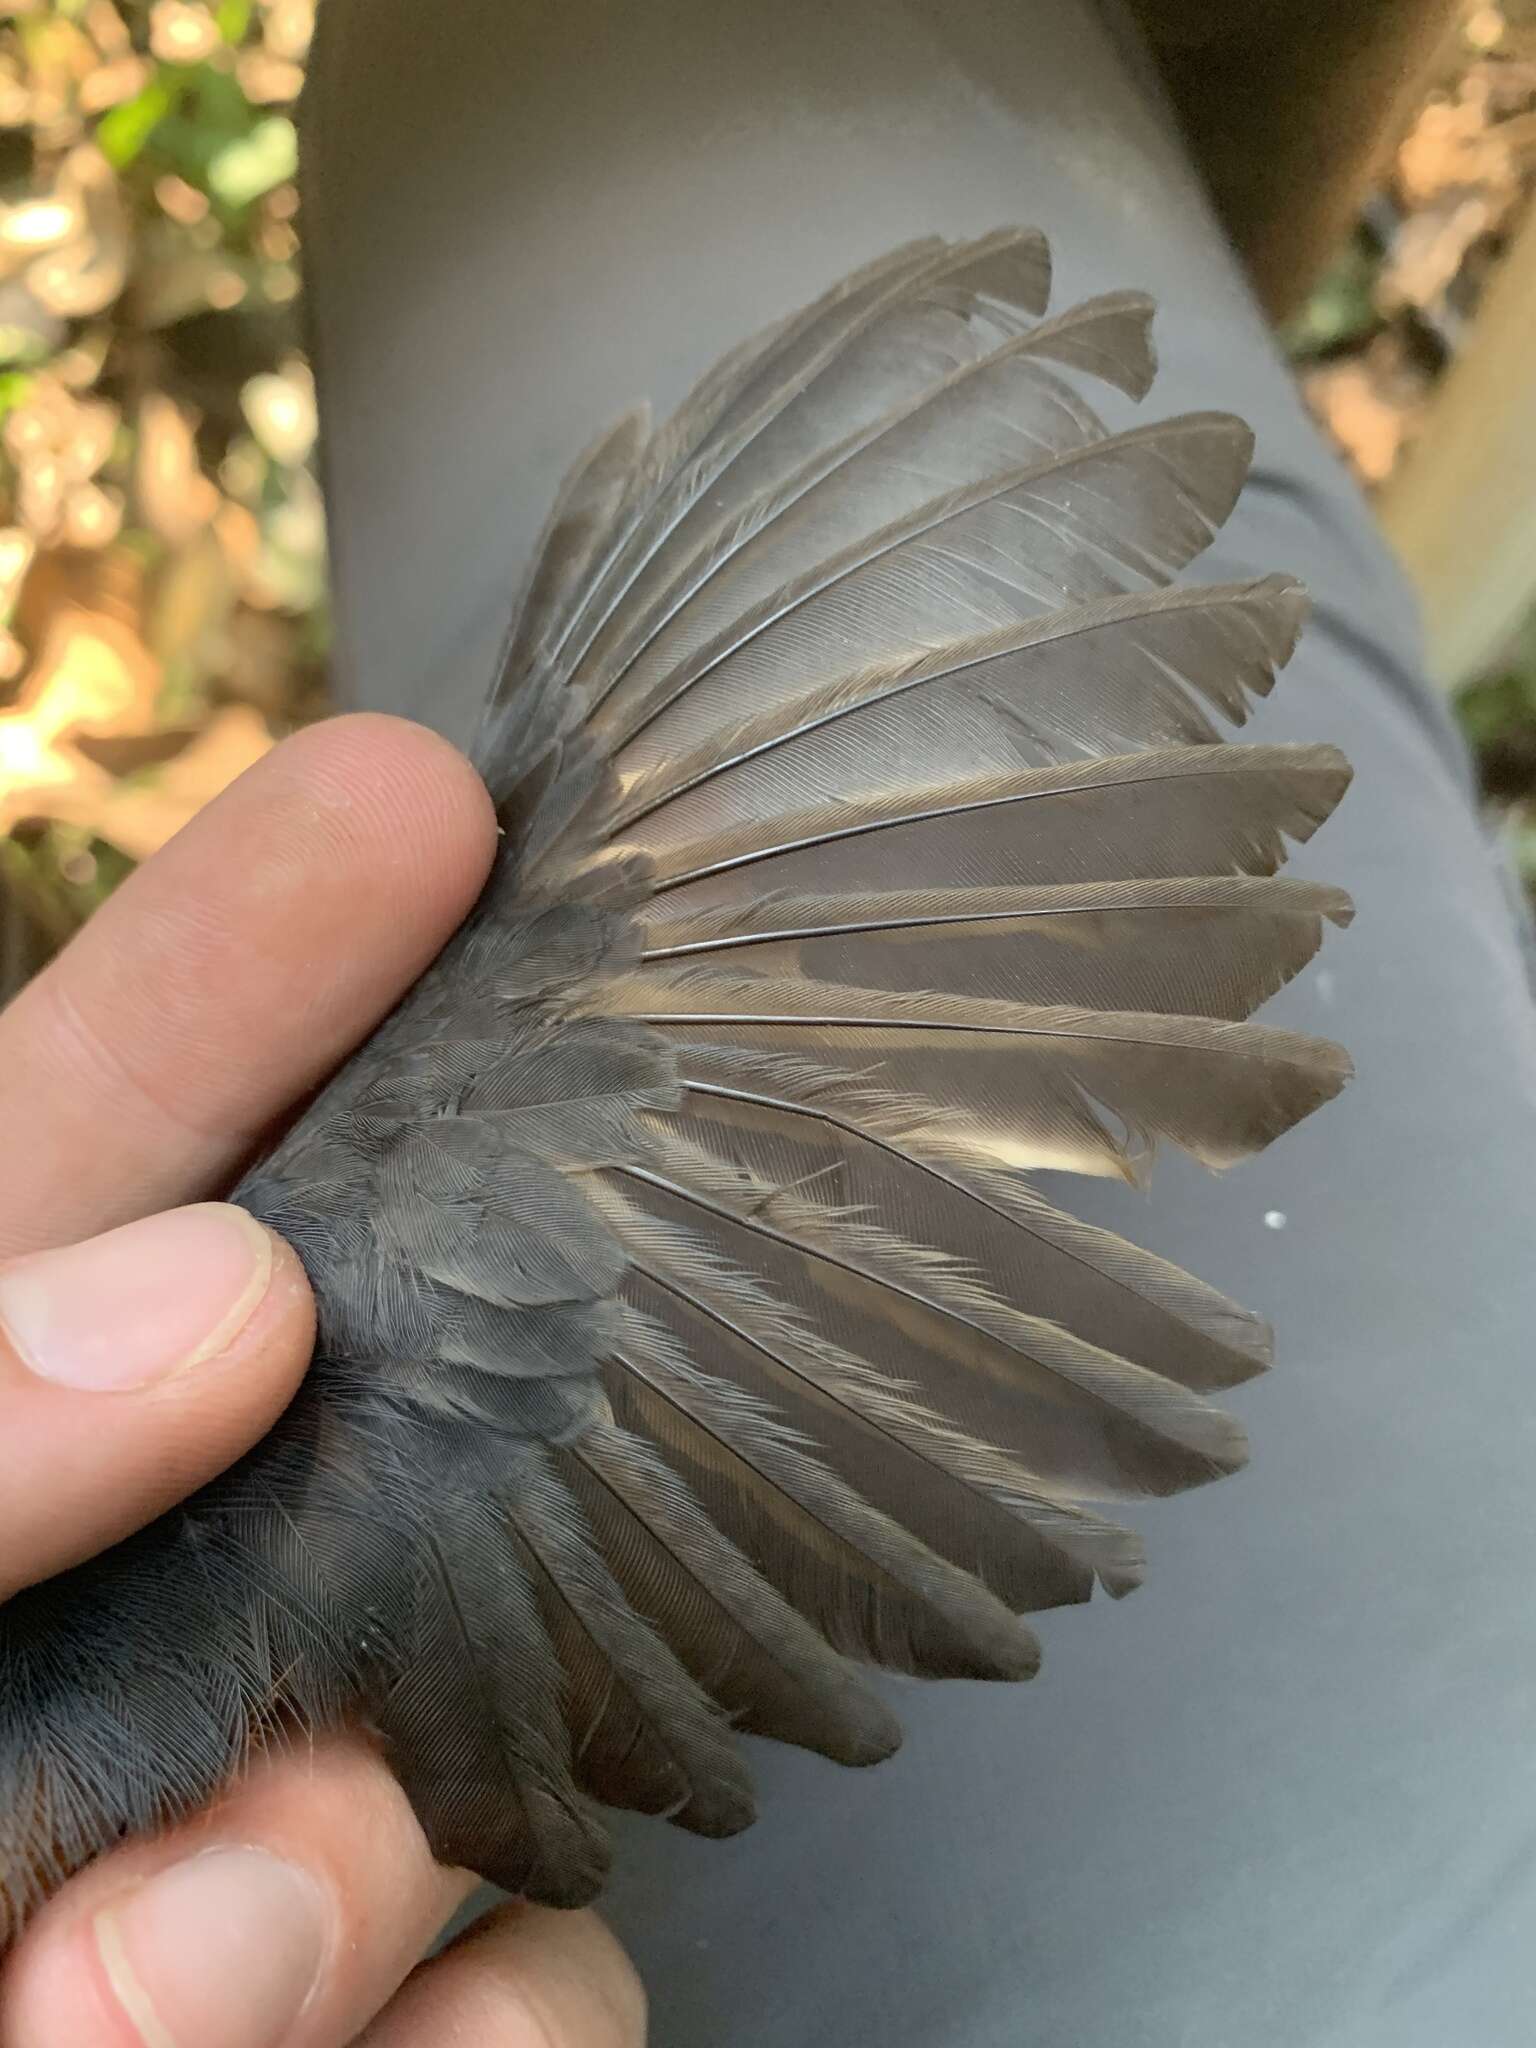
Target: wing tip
pixel 1014 1655
pixel 717 1813
pixel 1335 905
pixel 866 1732
pixel 1141 370
pixel 1291 607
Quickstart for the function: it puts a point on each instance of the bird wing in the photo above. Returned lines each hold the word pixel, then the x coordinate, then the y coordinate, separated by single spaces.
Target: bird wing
pixel 690 1332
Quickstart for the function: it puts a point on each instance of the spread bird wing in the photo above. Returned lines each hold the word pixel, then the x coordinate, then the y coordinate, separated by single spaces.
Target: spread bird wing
pixel 690 1334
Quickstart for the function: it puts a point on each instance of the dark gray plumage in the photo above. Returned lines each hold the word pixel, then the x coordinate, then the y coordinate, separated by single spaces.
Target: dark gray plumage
pixel 686 1327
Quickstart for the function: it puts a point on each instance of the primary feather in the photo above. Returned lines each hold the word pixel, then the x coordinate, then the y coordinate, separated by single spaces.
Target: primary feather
pixel 688 1332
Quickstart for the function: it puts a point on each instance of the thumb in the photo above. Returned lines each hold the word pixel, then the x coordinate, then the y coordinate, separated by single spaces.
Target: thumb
pixel 133 1367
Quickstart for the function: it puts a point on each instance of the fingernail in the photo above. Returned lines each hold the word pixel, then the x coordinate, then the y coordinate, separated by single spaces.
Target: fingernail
pixel 138 1303
pixel 222 1951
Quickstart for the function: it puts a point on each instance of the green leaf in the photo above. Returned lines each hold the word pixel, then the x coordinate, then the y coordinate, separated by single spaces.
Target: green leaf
pixel 122 133
pixel 1490 709
pixel 211 115
pixel 233 18
pixel 243 170
pixel 22 345
pixel 1342 307
pixel 15 389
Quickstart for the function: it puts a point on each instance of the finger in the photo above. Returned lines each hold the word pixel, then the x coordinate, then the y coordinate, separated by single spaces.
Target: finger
pixel 232 972
pixel 133 1367
pixel 524 1977
pixel 285 1918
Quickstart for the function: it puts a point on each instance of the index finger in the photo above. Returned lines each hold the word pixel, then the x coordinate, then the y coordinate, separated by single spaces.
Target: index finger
pixel 232 972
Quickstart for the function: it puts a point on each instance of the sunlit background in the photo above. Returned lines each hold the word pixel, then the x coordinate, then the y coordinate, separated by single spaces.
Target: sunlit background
pixel 162 549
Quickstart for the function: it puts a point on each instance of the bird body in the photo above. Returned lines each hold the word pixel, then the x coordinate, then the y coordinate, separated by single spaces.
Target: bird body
pixel 689 1335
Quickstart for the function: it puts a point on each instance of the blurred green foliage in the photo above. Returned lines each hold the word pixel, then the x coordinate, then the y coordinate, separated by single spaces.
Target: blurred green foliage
pixel 162 564
pixel 1385 320
pixel 1342 310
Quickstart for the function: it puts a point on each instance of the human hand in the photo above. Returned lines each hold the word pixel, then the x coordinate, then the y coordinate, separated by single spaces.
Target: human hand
pixel 220 984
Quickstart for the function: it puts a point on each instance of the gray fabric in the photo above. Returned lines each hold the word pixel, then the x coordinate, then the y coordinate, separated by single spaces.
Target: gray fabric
pixel 1286 1795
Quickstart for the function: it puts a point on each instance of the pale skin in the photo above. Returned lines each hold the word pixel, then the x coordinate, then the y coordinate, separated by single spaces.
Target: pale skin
pixel 226 978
